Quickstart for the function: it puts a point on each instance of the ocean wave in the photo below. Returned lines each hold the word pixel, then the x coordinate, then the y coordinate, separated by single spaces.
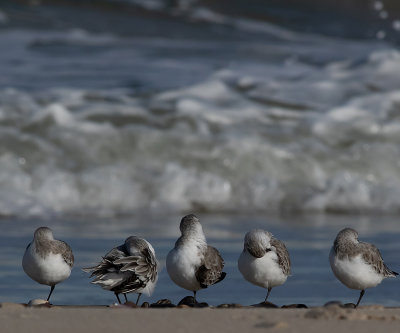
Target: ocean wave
pixel 304 138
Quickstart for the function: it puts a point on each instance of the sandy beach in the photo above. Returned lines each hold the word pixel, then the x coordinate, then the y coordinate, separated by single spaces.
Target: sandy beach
pixel 19 318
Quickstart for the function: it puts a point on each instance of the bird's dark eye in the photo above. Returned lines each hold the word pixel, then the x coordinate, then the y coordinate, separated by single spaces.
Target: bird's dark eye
pixel 267 250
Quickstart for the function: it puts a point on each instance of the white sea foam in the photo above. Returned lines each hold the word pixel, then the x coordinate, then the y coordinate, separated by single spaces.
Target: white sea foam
pixel 256 135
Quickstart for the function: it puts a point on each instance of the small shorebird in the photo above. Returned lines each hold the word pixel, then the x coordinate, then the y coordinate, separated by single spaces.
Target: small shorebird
pixel 130 267
pixel 264 260
pixel 47 260
pixel 192 264
pixel 357 265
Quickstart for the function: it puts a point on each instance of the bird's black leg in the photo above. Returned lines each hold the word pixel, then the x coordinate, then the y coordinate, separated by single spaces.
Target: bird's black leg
pixel 269 291
pixel 116 294
pixel 137 301
pixel 359 299
pixel 194 296
pixel 126 298
pixel 51 291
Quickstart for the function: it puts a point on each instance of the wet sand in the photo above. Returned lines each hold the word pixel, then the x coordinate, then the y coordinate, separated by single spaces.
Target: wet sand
pixel 20 318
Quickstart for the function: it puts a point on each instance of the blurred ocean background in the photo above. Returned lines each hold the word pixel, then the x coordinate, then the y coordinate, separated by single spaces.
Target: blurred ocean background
pixel 118 117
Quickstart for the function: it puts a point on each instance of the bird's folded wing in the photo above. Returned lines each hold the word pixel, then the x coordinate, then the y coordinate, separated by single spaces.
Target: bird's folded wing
pixel 210 270
pixel 65 250
pixel 373 257
pixel 283 255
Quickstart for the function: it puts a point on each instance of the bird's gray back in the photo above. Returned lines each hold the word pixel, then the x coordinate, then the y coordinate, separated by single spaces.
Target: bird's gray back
pixel 283 255
pixel 46 246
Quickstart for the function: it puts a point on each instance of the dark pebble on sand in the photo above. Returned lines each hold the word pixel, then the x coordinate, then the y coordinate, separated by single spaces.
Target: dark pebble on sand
pixel 340 304
pixel 295 306
pixel 349 306
pixel 334 303
pixel 199 305
pixel 189 300
pixel 186 300
pixel 130 304
pixel 265 305
pixel 163 303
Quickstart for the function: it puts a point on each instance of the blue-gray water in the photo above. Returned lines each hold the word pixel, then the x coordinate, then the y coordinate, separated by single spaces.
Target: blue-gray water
pixel 112 107
pixel 308 239
pixel 271 114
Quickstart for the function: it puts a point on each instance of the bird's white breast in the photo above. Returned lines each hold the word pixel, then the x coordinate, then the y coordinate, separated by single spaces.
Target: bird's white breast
pixel 264 272
pixel 354 273
pixel 49 270
pixel 182 263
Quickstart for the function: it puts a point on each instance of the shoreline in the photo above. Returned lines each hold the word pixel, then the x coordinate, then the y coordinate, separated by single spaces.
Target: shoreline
pixel 92 319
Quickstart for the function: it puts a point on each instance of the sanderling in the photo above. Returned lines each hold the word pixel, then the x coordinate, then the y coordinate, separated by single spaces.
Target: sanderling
pixel 264 260
pixel 47 260
pixel 357 265
pixel 130 267
pixel 192 264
